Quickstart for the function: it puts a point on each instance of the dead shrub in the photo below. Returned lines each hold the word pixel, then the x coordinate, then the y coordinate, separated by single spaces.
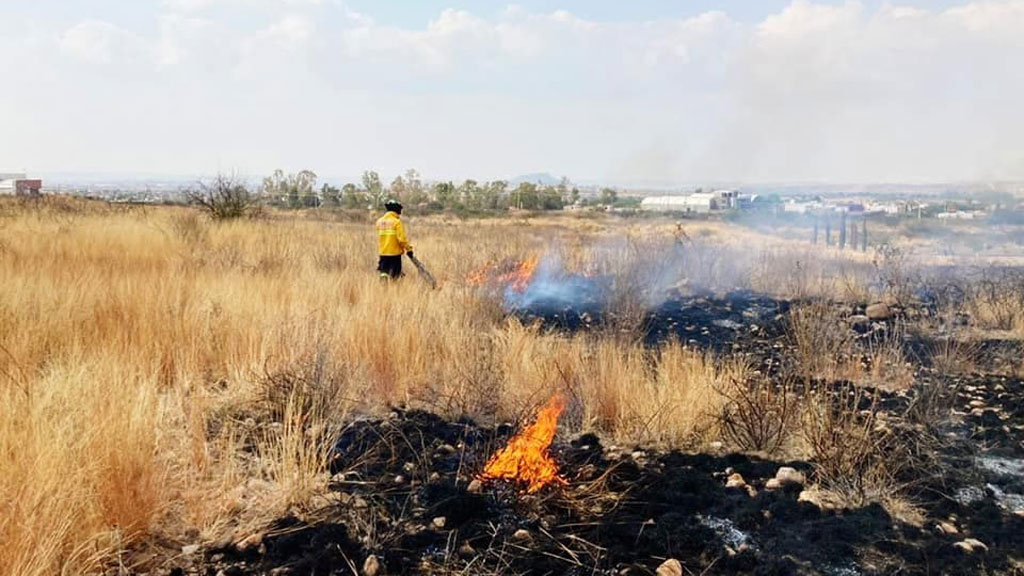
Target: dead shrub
pixel 840 427
pixel 310 385
pixel 823 342
pixel 759 414
pixel 996 300
pixel 896 278
pixel 953 355
pixel 224 198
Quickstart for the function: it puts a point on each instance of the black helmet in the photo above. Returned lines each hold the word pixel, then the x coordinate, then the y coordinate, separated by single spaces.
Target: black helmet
pixel 393 206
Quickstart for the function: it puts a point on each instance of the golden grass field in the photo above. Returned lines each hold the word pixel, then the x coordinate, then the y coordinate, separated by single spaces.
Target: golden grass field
pixel 140 349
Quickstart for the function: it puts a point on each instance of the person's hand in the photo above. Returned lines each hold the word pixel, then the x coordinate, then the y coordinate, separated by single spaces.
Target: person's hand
pixel 410 254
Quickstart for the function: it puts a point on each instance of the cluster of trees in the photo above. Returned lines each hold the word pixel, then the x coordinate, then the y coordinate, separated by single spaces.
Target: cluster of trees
pixel 299 190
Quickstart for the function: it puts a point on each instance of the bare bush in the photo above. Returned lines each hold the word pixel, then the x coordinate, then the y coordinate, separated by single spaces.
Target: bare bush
pixel 997 299
pixel 897 280
pixel 841 429
pixel 823 342
pixel 223 198
pixel 759 414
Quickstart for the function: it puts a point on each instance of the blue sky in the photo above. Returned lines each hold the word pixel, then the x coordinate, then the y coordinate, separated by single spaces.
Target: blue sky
pixel 634 93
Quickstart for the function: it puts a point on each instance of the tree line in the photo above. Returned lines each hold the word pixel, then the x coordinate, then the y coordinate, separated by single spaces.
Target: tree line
pixel 299 190
pixel 228 196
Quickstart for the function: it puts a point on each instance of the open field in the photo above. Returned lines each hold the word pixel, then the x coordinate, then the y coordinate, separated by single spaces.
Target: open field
pixel 168 381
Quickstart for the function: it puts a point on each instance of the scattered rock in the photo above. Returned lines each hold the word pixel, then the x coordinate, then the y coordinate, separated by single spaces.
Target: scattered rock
pixel 878 312
pixel 446 449
pixel 976 544
pixel 773 484
pixel 250 542
pixel 971 545
pixel 439 522
pixel 789 476
pixel 716 446
pixel 946 528
pixel 371 567
pixel 399 479
pixel 638 455
pixel 475 486
pixel 735 481
pixel 409 466
pixel 467 550
pixel 521 535
pixel 976 404
pixel 670 567
pixel 189 549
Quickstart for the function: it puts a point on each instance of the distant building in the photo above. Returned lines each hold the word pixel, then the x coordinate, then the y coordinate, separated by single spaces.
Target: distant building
pixel 698 202
pixel 17 184
pixel 962 215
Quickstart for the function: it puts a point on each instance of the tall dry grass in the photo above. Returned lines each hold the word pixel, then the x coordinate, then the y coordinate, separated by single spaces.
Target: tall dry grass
pixel 163 374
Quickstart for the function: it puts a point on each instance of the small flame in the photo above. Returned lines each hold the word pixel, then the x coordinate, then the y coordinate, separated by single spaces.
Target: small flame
pixel 525 458
pixel 515 275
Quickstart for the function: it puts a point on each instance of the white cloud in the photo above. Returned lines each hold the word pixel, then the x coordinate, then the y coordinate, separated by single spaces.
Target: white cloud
pixel 814 91
pixel 99 42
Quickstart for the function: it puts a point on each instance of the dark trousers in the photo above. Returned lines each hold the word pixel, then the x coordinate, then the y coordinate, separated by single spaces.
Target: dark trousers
pixel 390 265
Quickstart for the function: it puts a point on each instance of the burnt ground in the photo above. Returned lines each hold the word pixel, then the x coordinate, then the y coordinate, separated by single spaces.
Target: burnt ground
pixel 403 490
pixel 735 320
pixel 622 512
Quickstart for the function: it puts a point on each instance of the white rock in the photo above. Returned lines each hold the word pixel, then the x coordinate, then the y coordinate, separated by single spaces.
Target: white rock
pixel 371 567
pixel 735 481
pixel 521 534
pixel 789 476
pixel 946 528
pixel 976 544
pixel 189 549
pixel 772 484
pixel 439 522
pixel 670 567
pixel 475 486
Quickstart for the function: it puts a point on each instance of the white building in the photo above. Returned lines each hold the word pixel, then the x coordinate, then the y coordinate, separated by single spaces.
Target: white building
pixel 698 202
pixel 13 183
pixel 8 182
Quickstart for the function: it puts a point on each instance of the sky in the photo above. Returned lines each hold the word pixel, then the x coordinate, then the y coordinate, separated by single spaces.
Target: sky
pixel 643 92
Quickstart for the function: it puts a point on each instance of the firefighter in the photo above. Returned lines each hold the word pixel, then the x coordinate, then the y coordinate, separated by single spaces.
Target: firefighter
pixel 391 242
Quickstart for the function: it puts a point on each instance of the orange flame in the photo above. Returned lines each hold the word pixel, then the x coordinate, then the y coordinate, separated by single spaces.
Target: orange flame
pixel 515 275
pixel 525 458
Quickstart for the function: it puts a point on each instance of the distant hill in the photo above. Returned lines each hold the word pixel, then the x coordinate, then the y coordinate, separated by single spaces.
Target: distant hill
pixel 541 178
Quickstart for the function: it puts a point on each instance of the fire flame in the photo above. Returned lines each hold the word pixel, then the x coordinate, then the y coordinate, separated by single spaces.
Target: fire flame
pixel 525 459
pixel 515 275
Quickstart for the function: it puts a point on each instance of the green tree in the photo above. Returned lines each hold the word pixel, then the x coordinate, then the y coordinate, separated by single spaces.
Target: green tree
pixel 294 190
pixel 608 196
pixel 444 194
pixel 330 195
pixel 469 194
pixel 373 189
pixel 525 196
pixel 354 198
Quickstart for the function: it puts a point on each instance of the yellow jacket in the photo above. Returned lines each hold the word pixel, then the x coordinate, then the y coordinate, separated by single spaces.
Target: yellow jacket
pixel 391 239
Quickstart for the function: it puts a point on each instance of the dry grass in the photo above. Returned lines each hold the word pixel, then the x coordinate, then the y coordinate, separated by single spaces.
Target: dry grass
pixel 162 374
pixel 826 348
